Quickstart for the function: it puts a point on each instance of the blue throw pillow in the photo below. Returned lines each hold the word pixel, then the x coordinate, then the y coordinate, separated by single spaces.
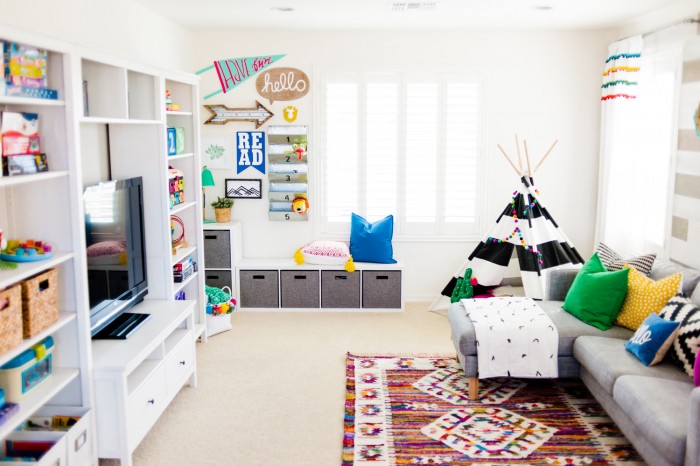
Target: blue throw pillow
pixel 652 339
pixel 371 242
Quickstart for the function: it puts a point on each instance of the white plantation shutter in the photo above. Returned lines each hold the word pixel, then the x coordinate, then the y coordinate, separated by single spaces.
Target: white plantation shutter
pixel 405 144
pixel 340 170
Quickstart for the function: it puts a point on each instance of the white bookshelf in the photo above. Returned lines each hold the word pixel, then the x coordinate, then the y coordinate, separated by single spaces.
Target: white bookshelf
pixel 48 207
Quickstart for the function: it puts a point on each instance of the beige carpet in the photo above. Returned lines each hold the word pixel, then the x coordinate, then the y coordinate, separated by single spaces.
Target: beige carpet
pixel 272 390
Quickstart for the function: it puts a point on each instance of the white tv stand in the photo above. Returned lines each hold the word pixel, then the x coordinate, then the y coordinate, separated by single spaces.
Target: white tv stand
pixel 137 378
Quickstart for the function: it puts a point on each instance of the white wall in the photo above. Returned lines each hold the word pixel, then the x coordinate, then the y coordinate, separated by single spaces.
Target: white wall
pixel 120 27
pixel 542 85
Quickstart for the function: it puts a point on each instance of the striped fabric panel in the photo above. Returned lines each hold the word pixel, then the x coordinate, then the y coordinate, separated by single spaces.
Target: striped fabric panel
pixel 613 261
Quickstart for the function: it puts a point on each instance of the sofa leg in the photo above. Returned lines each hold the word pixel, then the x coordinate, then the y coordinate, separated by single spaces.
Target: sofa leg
pixel 473 388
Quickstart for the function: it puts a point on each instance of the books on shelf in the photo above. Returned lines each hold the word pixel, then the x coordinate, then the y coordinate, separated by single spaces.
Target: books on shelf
pixel 25 72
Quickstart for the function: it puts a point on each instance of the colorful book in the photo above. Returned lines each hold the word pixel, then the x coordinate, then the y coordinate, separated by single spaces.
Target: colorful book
pixel 19 133
pixel 34 92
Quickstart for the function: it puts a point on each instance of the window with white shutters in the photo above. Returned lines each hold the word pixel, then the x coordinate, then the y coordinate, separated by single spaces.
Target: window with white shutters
pixel 400 143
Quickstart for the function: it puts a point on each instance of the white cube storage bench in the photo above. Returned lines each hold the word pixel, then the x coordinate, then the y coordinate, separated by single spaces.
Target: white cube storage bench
pixel 281 284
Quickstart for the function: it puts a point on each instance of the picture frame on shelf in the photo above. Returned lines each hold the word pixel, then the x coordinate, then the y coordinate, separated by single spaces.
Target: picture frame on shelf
pixel 217 152
pixel 237 188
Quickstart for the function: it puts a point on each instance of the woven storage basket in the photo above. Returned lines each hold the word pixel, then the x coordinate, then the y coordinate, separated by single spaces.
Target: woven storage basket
pixel 39 302
pixel 10 318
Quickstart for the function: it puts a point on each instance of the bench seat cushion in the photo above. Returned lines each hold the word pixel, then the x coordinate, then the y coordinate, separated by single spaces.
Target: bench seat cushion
pixel 659 408
pixel 607 359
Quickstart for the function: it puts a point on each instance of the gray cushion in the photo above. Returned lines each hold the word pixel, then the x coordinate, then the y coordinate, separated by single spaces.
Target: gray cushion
pixel 568 326
pixel 558 283
pixel 695 298
pixel 663 268
pixel 607 359
pixel 659 408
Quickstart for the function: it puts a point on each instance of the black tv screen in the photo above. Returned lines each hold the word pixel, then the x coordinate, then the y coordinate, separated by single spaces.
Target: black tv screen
pixel 116 250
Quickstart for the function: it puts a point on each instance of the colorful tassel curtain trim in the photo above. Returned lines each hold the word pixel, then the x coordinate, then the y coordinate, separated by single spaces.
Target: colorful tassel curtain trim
pixel 623 55
pixel 621 70
pixel 619 82
pixel 617 96
pixel 617 69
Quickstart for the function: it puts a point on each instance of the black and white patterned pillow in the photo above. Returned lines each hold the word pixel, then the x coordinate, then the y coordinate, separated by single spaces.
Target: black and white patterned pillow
pixel 613 261
pixel 685 348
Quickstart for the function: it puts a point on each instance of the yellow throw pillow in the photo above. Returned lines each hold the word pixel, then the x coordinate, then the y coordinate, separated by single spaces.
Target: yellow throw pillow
pixel 645 296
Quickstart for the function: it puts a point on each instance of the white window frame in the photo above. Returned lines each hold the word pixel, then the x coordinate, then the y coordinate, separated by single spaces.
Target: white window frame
pixel 442 232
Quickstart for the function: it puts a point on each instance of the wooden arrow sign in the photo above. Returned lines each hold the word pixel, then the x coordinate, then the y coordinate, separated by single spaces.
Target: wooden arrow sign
pixel 221 114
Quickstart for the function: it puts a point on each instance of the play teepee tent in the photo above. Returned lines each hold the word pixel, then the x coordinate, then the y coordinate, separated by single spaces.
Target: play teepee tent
pixel 526 227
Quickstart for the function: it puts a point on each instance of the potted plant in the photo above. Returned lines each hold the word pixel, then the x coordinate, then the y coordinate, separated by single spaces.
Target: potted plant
pixel 222 209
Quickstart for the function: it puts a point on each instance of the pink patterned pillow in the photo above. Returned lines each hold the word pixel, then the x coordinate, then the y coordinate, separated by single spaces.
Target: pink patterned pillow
pixel 326 253
pixel 106 248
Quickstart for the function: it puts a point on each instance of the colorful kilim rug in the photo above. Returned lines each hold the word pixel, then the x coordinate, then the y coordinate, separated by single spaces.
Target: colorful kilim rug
pixel 413 410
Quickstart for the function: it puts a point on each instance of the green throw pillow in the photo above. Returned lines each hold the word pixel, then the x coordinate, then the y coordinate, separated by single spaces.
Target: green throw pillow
pixel 596 295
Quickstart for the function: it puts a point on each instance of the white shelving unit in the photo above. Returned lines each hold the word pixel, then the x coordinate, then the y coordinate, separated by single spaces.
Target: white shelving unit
pixel 48 207
pixel 125 135
pixel 122 134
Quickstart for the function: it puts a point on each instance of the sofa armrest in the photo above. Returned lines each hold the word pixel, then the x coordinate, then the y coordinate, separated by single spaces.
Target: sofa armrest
pixel 558 283
pixel 692 447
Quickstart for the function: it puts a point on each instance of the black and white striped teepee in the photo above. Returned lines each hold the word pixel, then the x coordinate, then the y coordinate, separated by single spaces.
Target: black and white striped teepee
pixel 526 226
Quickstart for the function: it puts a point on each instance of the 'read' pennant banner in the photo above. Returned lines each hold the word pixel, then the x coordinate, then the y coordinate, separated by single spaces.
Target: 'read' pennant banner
pixel 234 71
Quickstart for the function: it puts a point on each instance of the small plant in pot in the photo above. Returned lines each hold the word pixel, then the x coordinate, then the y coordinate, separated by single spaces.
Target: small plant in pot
pixel 222 209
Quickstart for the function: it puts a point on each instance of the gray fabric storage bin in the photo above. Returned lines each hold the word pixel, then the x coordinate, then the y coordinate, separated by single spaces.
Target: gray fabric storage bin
pixel 259 288
pixel 381 289
pixel 217 249
pixel 218 278
pixel 300 288
pixel 340 289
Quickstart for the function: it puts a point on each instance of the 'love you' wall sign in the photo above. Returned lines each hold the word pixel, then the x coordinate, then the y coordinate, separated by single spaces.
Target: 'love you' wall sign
pixel 282 84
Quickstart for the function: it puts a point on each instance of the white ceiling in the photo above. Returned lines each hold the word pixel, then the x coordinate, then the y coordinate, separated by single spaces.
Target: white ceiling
pixel 211 15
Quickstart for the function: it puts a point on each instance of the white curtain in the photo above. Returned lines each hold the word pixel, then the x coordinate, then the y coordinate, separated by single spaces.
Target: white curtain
pixel 639 98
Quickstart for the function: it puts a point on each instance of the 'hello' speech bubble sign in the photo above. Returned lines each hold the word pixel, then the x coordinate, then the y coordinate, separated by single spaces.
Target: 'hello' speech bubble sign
pixel 282 84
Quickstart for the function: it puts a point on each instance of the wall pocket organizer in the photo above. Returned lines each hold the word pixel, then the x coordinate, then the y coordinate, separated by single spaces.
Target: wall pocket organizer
pixel 288 173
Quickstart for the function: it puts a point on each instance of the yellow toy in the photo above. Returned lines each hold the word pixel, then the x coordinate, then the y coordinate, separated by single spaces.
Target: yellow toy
pixel 300 205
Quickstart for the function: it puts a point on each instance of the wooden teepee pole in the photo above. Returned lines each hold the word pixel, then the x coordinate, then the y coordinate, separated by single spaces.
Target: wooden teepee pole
pixel 527 157
pixel 545 156
pixel 509 160
pixel 520 159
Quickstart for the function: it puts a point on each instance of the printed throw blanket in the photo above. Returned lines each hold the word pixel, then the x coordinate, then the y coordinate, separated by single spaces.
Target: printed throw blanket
pixel 514 338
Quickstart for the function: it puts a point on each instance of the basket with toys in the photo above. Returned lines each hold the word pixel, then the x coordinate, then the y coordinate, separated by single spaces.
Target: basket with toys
pixel 220 304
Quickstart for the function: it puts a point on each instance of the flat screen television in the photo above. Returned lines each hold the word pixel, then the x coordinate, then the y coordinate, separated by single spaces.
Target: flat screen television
pixel 116 256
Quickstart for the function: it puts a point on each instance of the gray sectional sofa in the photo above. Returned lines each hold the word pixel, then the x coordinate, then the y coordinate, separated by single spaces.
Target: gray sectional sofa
pixel 657 408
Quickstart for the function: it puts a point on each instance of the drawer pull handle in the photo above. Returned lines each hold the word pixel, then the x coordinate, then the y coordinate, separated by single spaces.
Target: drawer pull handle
pixel 258 277
pixel 299 277
pixel 210 236
pixel 151 402
pixel 213 277
pixel 57 463
pixel 382 277
pixel 80 441
pixel 341 277
pixel 182 363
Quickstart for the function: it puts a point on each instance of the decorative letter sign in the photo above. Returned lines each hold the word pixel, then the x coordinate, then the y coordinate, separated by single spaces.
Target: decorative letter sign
pixel 250 150
pixel 234 71
pixel 282 84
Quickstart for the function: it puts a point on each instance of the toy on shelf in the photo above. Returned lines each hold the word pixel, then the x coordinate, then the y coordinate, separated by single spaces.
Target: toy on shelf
pixel 26 251
pixel 176 184
pixel 168 100
pixel 177 233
